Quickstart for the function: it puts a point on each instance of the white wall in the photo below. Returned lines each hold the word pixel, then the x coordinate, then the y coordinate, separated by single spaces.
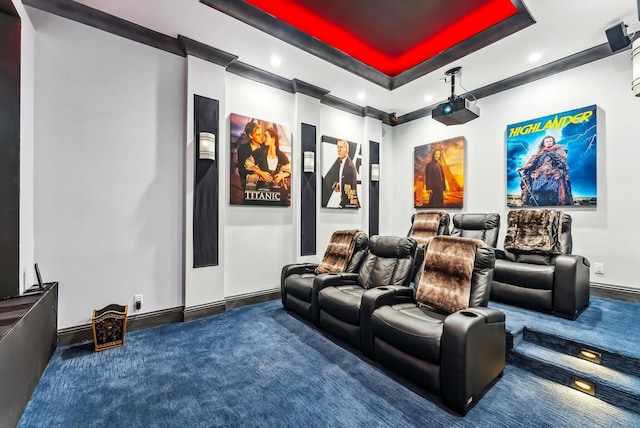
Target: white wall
pixel 387 183
pixel 27 64
pixel 308 112
pixel 338 124
pixel 606 234
pixel 113 163
pixel 109 140
pixel 258 240
pixel 203 285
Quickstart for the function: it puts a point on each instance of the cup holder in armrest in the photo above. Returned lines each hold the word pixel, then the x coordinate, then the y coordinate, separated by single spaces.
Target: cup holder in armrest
pixel 469 314
pixel 382 288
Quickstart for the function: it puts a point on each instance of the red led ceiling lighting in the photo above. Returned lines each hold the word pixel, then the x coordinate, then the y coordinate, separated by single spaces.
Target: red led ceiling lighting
pixel 458 22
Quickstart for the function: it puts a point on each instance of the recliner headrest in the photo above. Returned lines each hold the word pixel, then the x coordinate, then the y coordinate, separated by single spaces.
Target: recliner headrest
pixel 362 241
pixel 392 246
pixel 535 231
pixel 476 221
pixel 427 224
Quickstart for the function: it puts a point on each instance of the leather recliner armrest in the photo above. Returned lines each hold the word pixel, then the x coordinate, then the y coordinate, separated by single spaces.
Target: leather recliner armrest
pixel 325 280
pixel 298 268
pixel 571 285
pixel 371 300
pixel 472 355
pixel 292 269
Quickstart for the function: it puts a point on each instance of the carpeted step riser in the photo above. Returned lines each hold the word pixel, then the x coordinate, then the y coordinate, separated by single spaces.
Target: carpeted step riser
pixel 621 363
pixel 565 377
pixel 514 338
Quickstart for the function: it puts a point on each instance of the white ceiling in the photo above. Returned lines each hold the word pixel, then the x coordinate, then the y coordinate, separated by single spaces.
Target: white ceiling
pixel 562 28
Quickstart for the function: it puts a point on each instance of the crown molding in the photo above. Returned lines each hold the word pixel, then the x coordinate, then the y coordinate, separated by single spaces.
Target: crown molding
pixel 184 46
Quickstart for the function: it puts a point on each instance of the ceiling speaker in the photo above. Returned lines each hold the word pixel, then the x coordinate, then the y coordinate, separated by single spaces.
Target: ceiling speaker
pixel 617 37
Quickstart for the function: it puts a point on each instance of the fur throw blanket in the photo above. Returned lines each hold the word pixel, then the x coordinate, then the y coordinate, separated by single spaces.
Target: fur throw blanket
pixel 425 225
pixel 339 250
pixel 445 283
pixel 534 232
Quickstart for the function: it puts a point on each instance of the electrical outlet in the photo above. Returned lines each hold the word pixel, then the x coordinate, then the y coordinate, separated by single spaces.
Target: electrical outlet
pixel 598 268
pixel 137 302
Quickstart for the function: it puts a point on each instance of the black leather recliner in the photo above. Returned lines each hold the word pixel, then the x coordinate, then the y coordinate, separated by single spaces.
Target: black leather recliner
pixel 424 226
pixel 389 261
pixel 456 355
pixel 296 280
pixel 544 281
pixel 484 227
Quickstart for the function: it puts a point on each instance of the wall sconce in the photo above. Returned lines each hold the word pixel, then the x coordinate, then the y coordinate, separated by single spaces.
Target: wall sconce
pixel 375 172
pixel 635 59
pixel 309 164
pixel 207 144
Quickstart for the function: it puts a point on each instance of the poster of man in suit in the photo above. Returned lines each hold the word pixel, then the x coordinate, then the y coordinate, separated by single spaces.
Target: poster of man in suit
pixel 438 174
pixel 341 161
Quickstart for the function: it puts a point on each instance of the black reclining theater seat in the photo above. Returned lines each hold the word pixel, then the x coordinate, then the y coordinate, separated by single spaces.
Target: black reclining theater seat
pixel 427 224
pixel 455 354
pixel 484 227
pixel 296 281
pixel 546 282
pixel 424 226
pixel 389 261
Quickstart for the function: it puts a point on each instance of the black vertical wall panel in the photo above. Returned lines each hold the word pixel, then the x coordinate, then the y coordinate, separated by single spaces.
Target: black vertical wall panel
pixel 308 194
pixel 206 186
pixel 374 191
pixel 9 155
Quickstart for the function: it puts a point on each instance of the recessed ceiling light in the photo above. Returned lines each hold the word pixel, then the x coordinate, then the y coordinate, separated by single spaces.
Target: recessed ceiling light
pixel 276 61
pixel 428 98
pixel 535 57
pixel 361 95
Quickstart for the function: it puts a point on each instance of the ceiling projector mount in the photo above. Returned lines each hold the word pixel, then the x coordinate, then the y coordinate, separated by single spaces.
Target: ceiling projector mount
pixel 456 110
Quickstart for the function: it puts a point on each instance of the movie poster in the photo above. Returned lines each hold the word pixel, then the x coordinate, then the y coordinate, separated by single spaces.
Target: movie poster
pixel 341 182
pixel 551 160
pixel 260 158
pixel 438 174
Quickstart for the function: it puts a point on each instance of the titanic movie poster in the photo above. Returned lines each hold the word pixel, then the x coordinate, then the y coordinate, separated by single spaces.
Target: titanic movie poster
pixel 341 182
pixel 438 174
pixel 260 162
pixel 551 160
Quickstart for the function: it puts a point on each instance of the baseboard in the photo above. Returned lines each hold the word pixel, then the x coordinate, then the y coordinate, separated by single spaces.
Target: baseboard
pixel 216 308
pixel 252 298
pixel 616 292
pixel 83 333
pixel 201 311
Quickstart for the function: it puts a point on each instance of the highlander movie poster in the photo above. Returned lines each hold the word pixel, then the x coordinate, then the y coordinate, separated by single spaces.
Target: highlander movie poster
pixel 438 174
pixel 341 181
pixel 260 162
pixel 551 160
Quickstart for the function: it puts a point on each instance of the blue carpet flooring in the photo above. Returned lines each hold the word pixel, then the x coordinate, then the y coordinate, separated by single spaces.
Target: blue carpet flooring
pixel 258 366
pixel 609 324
